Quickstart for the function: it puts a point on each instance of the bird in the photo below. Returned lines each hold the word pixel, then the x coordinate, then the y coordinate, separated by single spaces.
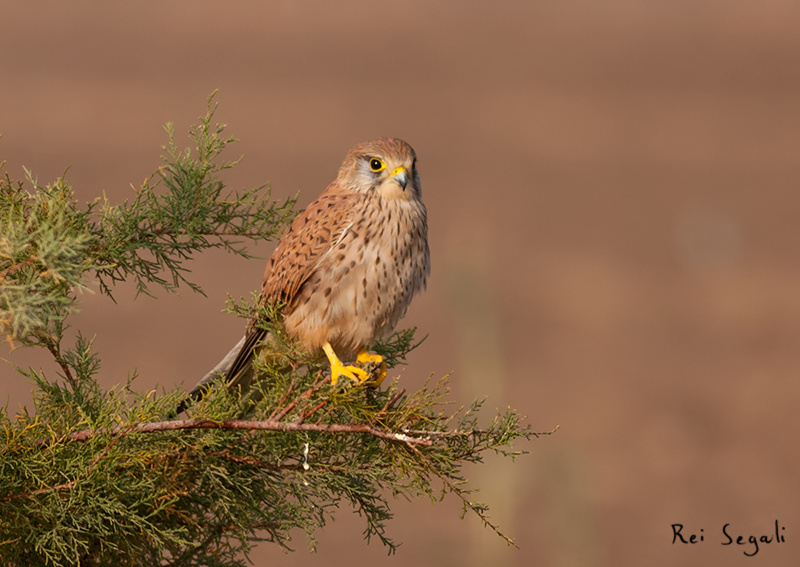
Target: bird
pixel 346 269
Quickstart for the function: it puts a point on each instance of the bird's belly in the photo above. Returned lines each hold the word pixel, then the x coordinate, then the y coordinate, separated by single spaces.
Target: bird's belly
pixel 361 298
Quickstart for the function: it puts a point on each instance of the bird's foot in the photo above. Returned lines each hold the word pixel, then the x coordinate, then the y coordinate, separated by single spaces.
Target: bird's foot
pixel 338 368
pixel 366 358
pixel 356 374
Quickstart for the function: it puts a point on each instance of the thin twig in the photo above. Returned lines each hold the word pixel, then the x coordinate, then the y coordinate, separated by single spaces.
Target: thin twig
pixel 389 405
pixel 283 400
pixel 14 267
pixel 461 494
pixel 53 345
pixel 305 395
pixel 311 412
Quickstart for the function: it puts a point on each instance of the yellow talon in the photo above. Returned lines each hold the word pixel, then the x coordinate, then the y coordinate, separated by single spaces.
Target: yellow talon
pixel 339 369
pixel 366 358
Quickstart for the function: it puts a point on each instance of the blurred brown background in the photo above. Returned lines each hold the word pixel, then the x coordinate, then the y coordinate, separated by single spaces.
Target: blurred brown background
pixel 613 193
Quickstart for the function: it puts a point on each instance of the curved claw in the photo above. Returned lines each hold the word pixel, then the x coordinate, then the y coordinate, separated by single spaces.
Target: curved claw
pixel 366 358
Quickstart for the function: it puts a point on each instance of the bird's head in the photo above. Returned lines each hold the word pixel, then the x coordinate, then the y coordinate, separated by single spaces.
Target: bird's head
pixel 387 166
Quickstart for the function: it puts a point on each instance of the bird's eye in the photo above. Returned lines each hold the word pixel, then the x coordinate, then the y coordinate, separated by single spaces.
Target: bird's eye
pixel 376 165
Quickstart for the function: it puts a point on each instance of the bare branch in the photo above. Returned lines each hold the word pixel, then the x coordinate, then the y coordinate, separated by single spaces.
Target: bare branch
pixel 252 425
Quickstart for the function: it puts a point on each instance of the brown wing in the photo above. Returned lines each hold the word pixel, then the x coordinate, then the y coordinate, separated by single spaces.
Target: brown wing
pixel 310 235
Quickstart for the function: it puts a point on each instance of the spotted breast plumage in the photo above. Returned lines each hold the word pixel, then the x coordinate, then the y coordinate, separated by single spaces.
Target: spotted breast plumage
pixel 348 266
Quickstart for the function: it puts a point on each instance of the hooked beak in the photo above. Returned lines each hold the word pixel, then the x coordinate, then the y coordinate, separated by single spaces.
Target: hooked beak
pixel 400 176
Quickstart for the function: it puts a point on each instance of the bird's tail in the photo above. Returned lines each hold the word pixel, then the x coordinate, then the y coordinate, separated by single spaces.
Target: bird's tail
pixel 236 366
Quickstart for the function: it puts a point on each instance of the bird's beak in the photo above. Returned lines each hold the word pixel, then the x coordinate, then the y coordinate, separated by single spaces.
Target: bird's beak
pixel 400 176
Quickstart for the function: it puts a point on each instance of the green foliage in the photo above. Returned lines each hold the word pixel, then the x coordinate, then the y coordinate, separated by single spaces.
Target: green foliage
pixel 45 243
pixel 50 246
pixel 95 477
pixel 156 233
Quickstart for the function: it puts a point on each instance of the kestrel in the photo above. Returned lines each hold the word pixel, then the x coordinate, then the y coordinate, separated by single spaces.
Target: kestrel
pixel 348 266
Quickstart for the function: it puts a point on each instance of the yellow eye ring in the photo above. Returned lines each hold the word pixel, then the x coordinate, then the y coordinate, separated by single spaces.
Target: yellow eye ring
pixel 376 165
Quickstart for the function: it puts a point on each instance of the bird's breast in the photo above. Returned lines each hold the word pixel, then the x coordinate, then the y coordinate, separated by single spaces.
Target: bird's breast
pixel 364 283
